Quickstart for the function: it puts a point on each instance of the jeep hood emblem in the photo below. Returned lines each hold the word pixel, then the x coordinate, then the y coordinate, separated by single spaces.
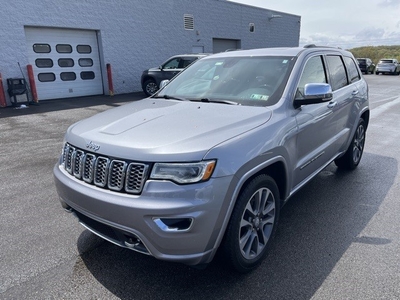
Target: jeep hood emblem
pixel 92 146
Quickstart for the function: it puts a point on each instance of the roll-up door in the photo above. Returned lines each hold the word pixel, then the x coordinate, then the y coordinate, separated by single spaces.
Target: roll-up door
pixel 65 62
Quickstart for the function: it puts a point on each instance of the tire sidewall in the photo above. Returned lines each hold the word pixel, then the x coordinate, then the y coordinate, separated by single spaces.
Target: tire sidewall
pixel 231 242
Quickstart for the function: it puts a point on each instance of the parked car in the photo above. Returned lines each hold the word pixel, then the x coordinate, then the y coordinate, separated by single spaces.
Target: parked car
pixel 366 65
pixel 151 78
pixel 207 162
pixel 388 66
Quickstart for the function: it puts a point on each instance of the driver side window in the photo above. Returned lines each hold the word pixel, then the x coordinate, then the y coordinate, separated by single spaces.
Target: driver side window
pixel 172 64
pixel 313 72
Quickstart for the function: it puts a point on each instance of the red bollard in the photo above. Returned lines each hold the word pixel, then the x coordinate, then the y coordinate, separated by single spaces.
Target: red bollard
pixel 110 82
pixel 3 102
pixel 32 83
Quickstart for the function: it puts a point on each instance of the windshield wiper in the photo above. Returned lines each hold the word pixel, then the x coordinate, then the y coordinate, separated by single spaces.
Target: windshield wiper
pixel 218 101
pixel 170 97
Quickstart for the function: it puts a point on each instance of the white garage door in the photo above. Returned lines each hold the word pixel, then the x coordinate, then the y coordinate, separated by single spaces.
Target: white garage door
pixel 65 62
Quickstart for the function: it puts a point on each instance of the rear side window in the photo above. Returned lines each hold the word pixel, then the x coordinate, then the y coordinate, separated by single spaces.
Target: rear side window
pixel 186 61
pixel 352 69
pixel 337 72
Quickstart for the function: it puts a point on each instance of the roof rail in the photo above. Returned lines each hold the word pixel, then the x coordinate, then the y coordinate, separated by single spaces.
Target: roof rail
pixel 315 46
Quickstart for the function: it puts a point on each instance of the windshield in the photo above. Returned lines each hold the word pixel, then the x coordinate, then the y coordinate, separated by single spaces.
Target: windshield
pixel 257 81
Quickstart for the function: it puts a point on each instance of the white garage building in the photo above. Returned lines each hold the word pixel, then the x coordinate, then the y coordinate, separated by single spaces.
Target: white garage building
pixel 68 44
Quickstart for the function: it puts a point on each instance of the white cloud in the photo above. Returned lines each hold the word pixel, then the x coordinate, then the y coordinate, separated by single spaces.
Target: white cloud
pixel 343 23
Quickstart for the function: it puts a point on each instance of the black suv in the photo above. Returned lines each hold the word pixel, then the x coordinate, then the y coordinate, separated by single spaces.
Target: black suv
pixel 151 78
pixel 366 65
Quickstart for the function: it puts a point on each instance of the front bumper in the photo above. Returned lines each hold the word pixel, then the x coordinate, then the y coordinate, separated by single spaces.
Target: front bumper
pixel 179 223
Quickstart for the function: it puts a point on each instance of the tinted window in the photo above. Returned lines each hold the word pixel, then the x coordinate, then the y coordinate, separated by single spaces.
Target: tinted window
pixel 64 48
pixel 45 77
pixel 172 64
pixel 186 61
pixel 84 49
pixel 66 62
pixel 352 70
pixel 87 75
pixel 44 63
pixel 337 72
pixel 85 62
pixel 41 48
pixel 386 61
pixel 67 76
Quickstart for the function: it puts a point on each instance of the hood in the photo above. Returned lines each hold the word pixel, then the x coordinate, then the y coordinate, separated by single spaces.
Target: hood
pixel 164 130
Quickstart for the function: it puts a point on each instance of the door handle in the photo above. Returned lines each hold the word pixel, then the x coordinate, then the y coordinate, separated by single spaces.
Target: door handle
pixel 332 104
pixel 355 92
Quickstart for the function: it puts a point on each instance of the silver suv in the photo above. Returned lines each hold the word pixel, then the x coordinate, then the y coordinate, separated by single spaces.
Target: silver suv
pixel 388 66
pixel 207 162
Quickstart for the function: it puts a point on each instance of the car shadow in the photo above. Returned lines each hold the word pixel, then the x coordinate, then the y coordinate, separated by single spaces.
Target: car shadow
pixel 317 226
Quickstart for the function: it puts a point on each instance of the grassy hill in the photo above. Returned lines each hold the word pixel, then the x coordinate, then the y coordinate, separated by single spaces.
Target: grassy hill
pixel 377 52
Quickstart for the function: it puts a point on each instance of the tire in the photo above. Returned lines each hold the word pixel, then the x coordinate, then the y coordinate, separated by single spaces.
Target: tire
pixel 252 225
pixel 352 157
pixel 150 87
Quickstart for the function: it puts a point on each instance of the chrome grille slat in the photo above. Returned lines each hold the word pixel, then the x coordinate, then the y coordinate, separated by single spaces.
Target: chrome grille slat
pixel 114 174
pixel 135 177
pixel 88 168
pixel 68 159
pixel 77 163
pixel 101 171
pixel 117 175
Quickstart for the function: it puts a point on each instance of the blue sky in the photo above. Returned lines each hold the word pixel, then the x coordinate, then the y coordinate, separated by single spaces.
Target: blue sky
pixel 342 23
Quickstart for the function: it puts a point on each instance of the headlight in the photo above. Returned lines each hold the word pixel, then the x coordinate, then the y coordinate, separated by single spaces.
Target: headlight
pixel 183 172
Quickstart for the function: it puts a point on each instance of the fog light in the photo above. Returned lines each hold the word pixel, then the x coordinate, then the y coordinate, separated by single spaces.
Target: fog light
pixel 173 224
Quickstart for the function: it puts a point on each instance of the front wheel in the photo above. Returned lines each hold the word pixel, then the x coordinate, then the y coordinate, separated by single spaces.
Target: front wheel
pixel 150 87
pixel 352 157
pixel 252 225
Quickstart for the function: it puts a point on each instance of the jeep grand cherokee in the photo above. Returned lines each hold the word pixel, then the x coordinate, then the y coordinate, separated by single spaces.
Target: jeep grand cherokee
pixel 207 162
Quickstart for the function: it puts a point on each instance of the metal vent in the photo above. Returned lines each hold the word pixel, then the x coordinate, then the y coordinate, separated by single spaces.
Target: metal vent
pixel 188 21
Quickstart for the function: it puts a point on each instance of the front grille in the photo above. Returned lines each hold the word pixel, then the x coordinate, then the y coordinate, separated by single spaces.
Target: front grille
pixel 113 174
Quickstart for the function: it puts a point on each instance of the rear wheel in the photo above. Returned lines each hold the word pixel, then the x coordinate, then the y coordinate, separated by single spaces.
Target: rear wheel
pixel 352 157
pixel 253 224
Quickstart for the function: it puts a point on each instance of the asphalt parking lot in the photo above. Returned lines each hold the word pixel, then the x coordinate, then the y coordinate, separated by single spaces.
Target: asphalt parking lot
pixel 339 236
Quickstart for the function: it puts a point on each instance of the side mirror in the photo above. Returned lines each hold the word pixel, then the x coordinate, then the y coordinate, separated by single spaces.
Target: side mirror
pixel 163 83
pixel 314 93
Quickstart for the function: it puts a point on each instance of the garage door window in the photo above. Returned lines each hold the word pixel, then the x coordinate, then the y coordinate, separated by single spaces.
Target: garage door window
pixel 44 63
pixel 67 76
pixel 64 48
pixel 84 49
pixel 66 62
pixel 46 77
pixel 87 75
pixel 41 48
pixel 85 62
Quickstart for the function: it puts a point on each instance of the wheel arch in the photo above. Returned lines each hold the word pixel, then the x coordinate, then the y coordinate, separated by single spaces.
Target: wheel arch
pixel 365 116
pixel 276 168
pixel 147 77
